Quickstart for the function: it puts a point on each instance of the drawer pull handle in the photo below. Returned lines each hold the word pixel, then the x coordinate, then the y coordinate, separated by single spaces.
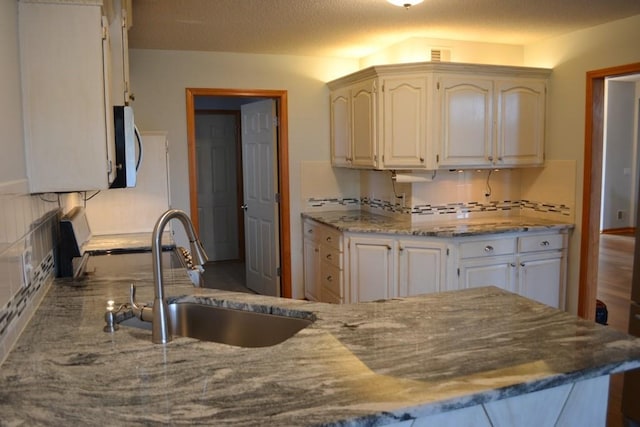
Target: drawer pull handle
pixel 488 249
pixel 544 243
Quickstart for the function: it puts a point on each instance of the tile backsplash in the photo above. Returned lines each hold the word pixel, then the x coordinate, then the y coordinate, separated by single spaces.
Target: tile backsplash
pixel 28 226
pixel 454 194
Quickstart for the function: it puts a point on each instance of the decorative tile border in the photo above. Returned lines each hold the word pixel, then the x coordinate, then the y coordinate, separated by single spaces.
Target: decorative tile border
pixel 445 209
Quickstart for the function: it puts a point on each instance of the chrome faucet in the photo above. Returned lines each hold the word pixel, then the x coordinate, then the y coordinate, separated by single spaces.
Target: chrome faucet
pixel 160 329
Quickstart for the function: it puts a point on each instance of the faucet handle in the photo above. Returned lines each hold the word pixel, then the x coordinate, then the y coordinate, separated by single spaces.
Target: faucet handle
pixel 140 311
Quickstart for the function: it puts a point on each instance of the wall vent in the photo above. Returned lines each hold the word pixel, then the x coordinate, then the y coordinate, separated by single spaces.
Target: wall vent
pixel 440 55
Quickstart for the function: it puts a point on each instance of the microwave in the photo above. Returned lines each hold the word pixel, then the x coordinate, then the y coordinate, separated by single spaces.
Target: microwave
pixel 128 143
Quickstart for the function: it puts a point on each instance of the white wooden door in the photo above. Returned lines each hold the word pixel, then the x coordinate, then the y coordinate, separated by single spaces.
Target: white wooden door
pixel 493 271
pixel 340 128
pixel 363 124
pixel 465 107
pixel 260 176
pixel 216 156
pixel 520 122
pixel 372 268
pixel 404 130
pixel 421 267
pixel 540 276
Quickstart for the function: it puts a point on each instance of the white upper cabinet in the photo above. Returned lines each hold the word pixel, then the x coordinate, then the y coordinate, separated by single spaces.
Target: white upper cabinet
pixel 520 115
pixel 364 147
pixel 119 24
pixel 404 122
pixel 466 121
pixel 341 127
pixel 439 115
pixel 68 117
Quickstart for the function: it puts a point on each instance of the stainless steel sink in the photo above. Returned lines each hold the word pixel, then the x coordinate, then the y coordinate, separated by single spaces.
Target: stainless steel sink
pixel 228 326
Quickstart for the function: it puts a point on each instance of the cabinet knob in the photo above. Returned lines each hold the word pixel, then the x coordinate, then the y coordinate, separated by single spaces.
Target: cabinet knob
pixel 512 265
pixel 499 159
pixel 522 264
pixel 488 249
pixel 388 247
pixel 329 278
pixel 329 239
pixel 545 243
pixel 310 231
pixel 400 248
pixel 421 159
pixel 328 256
pixel 490 158
pixel 316 250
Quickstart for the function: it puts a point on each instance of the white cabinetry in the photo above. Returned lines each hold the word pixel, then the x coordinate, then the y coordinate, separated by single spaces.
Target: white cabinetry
pixel 422 266
pixel 532 265
pixel 323 263
pixel 490 121
pixel 439 115
pixel 341 127
pixel 371 268
pixel 68 118
pixel 364 142
pixel 542 268
pixel 119 25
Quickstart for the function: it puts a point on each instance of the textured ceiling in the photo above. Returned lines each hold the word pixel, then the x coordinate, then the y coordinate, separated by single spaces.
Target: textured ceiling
pixel 355 28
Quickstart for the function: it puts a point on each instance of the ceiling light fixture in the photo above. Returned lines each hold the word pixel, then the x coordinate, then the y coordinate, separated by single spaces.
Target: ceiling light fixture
pixel 405 3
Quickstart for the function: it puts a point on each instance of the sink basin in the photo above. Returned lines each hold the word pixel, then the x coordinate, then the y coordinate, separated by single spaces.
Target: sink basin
pixel 228 326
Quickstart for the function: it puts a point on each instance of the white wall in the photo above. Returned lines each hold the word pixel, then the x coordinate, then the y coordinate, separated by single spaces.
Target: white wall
pixel 159 79
pixel 571 56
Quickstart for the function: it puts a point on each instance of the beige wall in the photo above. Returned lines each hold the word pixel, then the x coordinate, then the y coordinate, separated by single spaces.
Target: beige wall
pixel 571 56
pixel 159 79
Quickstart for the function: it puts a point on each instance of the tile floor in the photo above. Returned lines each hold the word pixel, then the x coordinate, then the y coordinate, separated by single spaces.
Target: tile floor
pixel 227 275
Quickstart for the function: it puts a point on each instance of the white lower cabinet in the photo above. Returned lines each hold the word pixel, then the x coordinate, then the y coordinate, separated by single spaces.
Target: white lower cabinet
pixel 371 268
pixel 497 271
pixel 422 267
pixel 358 267
pixel 530 264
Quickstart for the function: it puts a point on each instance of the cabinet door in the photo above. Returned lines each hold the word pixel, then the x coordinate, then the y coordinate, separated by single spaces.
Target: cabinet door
pixel 68 119
pixel 311 256
pixel 118 28
pixel 422 267
pixel 520 122
pixel 363 124
pixel 465 108
pixel 540 277
pixel 404 122
pixel 371 269
pixel 492 271
pixel 340 128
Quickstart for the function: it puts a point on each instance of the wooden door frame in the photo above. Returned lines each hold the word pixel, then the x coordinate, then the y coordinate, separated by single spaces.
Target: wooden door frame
pixel 592 184
pixel 283 166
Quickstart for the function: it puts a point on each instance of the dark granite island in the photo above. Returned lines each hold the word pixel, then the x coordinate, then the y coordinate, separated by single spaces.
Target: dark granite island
pixel 484 356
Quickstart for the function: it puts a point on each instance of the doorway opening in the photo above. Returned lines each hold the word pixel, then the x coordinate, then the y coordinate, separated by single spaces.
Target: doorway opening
pixel 234 203
pixel 592 184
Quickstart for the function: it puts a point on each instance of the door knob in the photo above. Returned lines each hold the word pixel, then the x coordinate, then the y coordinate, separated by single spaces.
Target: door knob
pixel 244 206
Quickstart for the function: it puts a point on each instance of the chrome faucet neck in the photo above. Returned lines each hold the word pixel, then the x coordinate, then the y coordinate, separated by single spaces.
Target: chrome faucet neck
pixel 161 331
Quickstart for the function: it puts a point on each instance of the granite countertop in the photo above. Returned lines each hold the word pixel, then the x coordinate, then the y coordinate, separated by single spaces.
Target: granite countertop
pixel 356 364
pixel 366 222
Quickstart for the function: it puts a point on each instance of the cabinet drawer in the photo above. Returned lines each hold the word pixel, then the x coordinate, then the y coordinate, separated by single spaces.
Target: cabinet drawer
pixel 331 255
pixel 542 242
pixel 487 248
pixel 331 237
pixel 330 277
